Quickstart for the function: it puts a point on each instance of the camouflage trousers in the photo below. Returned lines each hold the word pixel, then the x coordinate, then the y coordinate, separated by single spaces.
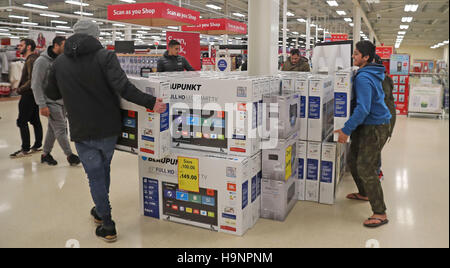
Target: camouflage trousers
pixel 365 151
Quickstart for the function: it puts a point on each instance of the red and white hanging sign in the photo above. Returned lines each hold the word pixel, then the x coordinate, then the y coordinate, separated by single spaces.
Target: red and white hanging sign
pixel 190 46
pixel 153 14
pixel 218 26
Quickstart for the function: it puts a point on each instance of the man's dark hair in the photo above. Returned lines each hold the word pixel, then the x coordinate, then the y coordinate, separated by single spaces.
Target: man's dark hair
pixel 29 42
pixel 366 48
pixel 173 43
pixel 58 40
pixel 295 52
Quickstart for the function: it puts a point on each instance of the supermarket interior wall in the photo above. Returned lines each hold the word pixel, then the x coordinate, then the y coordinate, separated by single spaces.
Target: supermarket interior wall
pixel 422 52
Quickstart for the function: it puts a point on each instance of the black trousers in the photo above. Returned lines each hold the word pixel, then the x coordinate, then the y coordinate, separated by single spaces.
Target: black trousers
pixel 29 113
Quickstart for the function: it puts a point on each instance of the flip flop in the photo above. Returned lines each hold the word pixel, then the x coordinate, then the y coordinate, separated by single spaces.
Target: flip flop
pixel 356 197
pixel 375 225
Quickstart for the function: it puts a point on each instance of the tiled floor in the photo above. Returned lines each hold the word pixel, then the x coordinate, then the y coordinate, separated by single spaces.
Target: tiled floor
pixel 42 206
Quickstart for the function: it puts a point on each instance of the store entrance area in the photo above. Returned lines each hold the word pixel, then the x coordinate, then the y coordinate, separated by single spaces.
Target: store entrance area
pixel 44 206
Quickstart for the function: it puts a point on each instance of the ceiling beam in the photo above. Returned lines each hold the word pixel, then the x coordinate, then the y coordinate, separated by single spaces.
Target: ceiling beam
pixel 366 21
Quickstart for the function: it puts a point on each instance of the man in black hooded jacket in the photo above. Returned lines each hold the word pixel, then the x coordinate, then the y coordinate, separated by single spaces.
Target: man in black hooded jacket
pixel 172 61
pixel 90 81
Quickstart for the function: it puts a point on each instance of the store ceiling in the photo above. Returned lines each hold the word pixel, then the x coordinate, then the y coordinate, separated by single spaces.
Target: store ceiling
pixel 430 23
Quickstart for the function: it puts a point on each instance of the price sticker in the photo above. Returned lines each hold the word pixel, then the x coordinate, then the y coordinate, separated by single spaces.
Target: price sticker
pixel 188 174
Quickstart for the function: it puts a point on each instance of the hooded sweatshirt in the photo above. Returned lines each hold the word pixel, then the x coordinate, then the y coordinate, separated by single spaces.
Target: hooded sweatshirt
pixel 370 108
pixel 90 81
pixel 41 69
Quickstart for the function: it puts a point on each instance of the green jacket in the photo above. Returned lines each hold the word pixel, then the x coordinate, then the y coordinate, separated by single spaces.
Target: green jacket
pixel 301 66
pixel 388 86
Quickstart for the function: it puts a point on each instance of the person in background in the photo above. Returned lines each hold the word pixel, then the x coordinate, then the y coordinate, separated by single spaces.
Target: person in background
pixel 172 61
pixel 90 80
pixel 296 63
pixel 369 128
pixel 388 87
pixel 28 110
pixel 53 110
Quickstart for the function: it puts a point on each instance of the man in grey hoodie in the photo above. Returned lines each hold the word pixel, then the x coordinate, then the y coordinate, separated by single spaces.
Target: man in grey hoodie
pixel 54 110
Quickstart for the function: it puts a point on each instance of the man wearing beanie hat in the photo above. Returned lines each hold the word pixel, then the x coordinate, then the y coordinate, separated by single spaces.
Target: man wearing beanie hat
pixel 90 80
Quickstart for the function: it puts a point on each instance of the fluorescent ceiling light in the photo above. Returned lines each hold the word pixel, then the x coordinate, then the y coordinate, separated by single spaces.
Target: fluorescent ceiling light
pixel 7 34
pixel 296 33
pixel 301 20
pixel 58 22
pixel 58 32
pixel 83 13
pixel 332 3
pixel 35 6
pixel 402 33
pixel 411 8
pixel 341 12
pixel 142 32
pixel 320 29
pixel 14 37
pixel 239 15
pixel 348 19
pixel 446 42
pixel 29 23
pixel 22 29
pixel 404 27
pixel 290 14
pixel 214 7
pixel 49 15
pixel 128 1
pixel 18 17
pixel 351 24
pixel 118 25
pixel 172 27
pixel 145 28
pixel 407 19
pixel 63 27
pixel 77 3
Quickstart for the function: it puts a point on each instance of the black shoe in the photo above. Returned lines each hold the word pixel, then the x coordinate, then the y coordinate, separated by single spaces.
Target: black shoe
pixel 107 233
pixel 73 160
pixel 49 160
pixel 35 150
pixel 19 154
pixel 98 221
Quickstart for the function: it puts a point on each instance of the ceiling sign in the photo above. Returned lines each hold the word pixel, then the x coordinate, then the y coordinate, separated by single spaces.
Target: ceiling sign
pixel 153 14
pixel 218 27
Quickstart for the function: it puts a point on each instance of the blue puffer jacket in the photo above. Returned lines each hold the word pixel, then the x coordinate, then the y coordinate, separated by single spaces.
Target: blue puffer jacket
pixel 370 108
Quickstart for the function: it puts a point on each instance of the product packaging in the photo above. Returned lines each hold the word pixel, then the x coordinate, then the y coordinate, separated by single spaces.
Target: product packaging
pixel 302 151
pixel 286 116
pixel 280 163
pixel 321 108
pixel 343 95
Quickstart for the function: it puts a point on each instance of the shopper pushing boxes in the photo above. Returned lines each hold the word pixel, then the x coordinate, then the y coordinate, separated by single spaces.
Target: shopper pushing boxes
pixel 54 110
pixel 369 129
pixel 28 110
pixel 90 80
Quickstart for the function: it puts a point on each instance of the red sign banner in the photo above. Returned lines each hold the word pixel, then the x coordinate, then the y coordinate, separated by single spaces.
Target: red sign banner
pixel 190 46
pixel 338 37
pixel 218 27
pixel 385 52
pixel 153 14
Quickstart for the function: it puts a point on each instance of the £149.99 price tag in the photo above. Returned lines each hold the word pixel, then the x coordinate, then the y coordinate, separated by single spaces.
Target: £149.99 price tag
pixel 188 174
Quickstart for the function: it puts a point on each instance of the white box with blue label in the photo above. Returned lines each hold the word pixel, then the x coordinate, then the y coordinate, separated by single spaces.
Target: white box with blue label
pixel 278 198
pixel 313 165
pixel 283 110
pixel 302 151
pixel 302 87
pixel 332 170
pixel 144 131
pixel 320 107
pixel 343 96
pixel 280 162
pixel 217 114
pixel 219 198
pixel 256 187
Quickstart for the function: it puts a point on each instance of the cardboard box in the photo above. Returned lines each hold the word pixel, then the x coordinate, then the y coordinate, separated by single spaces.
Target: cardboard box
pixel 256 187
pixel 302 86
pixel 280 163
pixel 302 151
pixel 144 131
pixel 321 108
pixel 220 202
pixel 278 198
pixel 343 95
pixel 217 114
pixel 313 171
pixel 287 105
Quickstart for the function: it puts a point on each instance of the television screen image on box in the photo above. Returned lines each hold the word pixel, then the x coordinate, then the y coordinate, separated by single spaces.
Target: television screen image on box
pixel 198 207
pixel 199 128
pixel 129 135
pixel 293 114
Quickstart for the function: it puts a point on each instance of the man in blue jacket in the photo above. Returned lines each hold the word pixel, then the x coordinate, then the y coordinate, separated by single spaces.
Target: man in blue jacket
pixel 369 130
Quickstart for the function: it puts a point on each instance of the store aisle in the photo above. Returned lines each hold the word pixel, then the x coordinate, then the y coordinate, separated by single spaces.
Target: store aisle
pixel 42 206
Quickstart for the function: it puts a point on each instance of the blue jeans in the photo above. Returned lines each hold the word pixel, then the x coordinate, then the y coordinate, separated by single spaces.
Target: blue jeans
pixel 96 156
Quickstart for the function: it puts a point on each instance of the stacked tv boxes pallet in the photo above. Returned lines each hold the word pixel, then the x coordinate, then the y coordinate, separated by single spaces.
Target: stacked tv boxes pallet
pixel 325 102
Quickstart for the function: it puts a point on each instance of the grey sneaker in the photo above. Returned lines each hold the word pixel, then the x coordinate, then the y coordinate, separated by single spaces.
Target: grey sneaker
pixel 19 154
